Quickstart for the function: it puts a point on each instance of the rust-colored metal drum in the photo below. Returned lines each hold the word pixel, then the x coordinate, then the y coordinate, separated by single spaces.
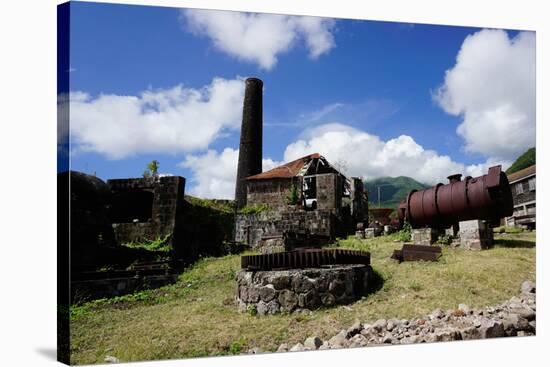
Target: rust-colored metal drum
pixel 487 197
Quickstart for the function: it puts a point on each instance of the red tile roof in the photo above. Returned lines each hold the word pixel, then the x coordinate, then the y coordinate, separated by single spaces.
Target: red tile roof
pixel 287 170
pixel 522 173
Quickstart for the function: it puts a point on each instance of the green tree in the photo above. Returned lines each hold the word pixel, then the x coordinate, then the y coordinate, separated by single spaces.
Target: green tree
pixel 525 160
pixel 152 169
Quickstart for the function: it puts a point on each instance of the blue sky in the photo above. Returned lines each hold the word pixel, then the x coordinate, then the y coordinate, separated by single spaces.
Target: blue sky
pixel 380 98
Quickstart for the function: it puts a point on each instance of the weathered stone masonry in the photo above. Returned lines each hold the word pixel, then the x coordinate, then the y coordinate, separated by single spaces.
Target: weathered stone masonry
pixel 250 228
pixel 146 208
pixel 270 292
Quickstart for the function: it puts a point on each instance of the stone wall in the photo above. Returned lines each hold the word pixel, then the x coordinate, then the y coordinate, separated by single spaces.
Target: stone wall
pixel 359 206
pixel 250 228
pixel 273 193
pixel 202 231
pixel 165 207
pixel 329 191
pixel 270 292
pixel 112 287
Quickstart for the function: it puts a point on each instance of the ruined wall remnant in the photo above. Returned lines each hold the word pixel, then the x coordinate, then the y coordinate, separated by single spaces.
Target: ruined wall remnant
pixel 146 208
pixel 359 201
pixel 250 228
pixel 329 191
pixel 274 193
pixel 250 147
pixel 88 216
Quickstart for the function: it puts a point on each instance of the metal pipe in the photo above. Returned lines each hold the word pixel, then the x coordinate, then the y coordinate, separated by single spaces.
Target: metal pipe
pixel 486 197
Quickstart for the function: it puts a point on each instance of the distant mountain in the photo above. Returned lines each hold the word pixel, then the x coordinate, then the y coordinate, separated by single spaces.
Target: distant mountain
pixel 392 190
pixel 525 160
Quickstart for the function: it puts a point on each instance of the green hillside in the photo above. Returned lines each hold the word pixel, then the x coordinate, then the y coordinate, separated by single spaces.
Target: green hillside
pixel 525 160
pixel 392 190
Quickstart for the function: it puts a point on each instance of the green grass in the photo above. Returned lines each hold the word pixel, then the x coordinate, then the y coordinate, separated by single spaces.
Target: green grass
pixel 196 316
pixel 157 245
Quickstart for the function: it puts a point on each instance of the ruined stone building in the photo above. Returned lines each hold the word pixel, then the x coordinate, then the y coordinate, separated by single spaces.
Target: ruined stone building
pixel 523 184
pixel 307 196
pixel 108 218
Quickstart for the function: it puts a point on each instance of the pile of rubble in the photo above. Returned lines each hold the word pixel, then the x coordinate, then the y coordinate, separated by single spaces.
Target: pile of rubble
pixel 516 317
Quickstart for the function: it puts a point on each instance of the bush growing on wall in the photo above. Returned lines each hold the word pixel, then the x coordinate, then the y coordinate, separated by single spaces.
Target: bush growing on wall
pixel 293 196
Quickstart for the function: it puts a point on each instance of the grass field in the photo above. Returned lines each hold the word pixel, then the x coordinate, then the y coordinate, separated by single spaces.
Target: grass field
pixel 196 316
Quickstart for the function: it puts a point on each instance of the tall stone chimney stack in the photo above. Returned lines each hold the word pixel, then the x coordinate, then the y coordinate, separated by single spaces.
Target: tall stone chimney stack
pixel 250 148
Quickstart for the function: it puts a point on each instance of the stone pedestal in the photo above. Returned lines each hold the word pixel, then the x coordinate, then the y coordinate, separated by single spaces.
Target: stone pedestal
pixel 425 236
pixel 475 235
pixel 369 233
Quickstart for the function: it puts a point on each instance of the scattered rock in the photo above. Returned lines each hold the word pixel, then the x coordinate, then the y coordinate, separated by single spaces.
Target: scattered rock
pixel 514 317
pixel 255 350
pixel 282 348
pixel 437 314
pixel 354 329
pixel 111 359
pixel 338 340
pixel 297 348
pixel 358 341
pixel 464 308
pixel 313 342
pixel 491 329
pixel 528 287
pixel 380 325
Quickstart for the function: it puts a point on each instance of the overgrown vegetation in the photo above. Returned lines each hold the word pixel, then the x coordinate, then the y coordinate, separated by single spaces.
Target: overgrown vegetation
pixel 523 161
pixel 152 169
pixel 254 209
pixel 160 244
pixel 293 196
pixel 197 316
pixel 445 239
pixel 505 229
pixel 226 206
pixel 404 234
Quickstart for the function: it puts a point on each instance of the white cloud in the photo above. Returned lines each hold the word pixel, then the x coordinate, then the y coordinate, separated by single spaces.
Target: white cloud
pixel 368 156
pixel 214 174
pixel 362 154
pixel 260 38
pixel 492 87
pixel 155 121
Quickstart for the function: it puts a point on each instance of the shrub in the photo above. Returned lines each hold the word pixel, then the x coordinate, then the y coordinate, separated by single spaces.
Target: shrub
pixel 159 244
pixel 254 209
pixel 444 239
pixel 235 348
pixel 404 234
pixel 293 196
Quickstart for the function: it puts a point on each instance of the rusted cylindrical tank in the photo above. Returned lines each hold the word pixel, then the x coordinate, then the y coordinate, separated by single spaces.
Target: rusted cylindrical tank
pixel 487 197
pixel 250 147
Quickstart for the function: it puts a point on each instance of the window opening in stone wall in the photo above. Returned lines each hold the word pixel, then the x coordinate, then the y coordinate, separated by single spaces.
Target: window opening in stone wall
pixel 309 189
pixel 132 206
